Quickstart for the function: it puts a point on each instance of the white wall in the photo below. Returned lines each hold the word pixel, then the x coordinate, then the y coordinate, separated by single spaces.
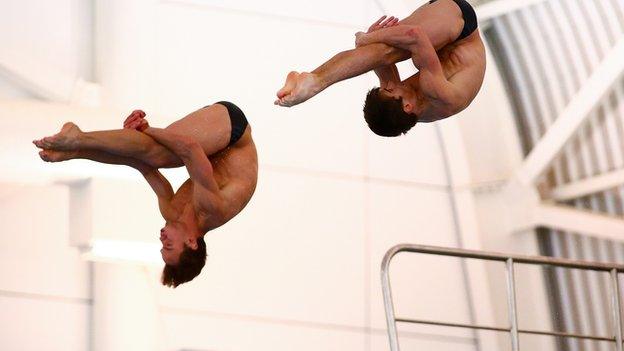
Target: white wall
pixel 46 45
pixel 9 89
pixel 277 260
pixel 52 32
pixel 299 267
pixel 44 294
pixel 303 258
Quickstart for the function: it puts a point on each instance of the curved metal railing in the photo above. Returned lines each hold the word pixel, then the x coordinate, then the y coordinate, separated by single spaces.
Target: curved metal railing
pixel 509 260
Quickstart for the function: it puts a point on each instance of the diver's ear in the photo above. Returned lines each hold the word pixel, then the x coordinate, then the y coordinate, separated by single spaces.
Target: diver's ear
pixel 192 243
pixel 408 107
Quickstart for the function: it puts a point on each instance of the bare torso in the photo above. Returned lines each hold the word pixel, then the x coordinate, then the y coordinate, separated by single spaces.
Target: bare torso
pixel 235 167
pixel 466 56
pixel 443 23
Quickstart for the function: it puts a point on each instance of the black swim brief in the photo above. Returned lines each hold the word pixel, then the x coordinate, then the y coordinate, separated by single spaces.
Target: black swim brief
pixel 470 18
pixel 237 119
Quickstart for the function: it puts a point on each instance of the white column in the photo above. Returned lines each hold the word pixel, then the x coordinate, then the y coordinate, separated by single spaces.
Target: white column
pixel 81 214
pixel 125 312
pixel 125 38
pixel 488 212
pixel 468 229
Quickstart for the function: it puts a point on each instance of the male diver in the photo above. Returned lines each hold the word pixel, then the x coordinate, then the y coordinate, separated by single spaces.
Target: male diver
pixel 213 143
pixel 443 41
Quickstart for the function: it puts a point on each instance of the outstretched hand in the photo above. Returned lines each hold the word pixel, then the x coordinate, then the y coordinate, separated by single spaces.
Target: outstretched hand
pixel 383 22
pixel 362 38
pixel 136 121
pixel 298 88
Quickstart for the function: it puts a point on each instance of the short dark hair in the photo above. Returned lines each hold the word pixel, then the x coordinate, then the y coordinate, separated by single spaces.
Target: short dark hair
pixel 190 264
pixel 385 116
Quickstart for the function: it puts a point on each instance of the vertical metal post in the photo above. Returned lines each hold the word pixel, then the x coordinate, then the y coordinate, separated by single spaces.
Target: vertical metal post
pixel 617 318
pixel 389 306
pixel 511 305
pixel 391 320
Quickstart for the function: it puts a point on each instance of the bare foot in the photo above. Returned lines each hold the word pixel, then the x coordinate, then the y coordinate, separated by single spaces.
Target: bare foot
pixel 56 156
pixel 65 140
pixel 289 85
pixel 298 88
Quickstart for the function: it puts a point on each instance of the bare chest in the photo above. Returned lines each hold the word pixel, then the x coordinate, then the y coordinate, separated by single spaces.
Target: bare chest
pixel 182 197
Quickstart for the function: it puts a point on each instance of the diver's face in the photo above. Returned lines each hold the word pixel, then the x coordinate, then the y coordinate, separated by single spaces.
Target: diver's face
pixel 402 92
pixel 394 90
pixel 172 237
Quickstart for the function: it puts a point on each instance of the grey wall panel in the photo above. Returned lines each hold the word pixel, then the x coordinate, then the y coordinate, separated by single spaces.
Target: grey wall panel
pixel 546 52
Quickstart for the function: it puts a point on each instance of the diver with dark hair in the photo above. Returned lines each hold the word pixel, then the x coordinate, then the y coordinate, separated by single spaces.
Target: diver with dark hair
pixel 444 43
pixel 215 145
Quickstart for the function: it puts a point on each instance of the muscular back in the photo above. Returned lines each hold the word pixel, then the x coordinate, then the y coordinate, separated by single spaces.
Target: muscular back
pixel 235 167
pixel 463 63
pixel 236 173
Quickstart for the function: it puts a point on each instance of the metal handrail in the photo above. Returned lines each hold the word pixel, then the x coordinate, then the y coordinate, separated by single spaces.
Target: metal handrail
pixel 509 260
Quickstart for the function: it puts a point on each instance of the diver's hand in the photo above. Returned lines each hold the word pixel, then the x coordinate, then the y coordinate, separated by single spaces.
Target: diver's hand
pixel 383 22
pixel 133 117
pixel 298 88
pixel 362 38
pixel 136 121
